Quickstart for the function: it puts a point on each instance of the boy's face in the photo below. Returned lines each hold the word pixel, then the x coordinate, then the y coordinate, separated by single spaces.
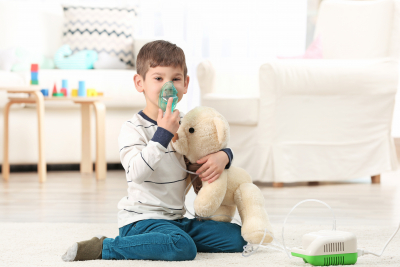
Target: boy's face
pixel 156 78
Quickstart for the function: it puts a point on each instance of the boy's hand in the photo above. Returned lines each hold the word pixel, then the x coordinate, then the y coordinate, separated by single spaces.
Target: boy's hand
pixel 214 165
pixel 170 121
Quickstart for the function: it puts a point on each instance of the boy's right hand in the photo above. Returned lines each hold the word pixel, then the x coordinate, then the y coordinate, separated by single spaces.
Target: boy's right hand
pixel 170 121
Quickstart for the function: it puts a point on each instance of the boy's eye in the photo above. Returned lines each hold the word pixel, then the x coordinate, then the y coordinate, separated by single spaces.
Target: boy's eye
pixel 158 78
pixel 177 79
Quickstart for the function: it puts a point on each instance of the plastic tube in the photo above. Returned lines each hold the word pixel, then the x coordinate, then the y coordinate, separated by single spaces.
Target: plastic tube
pixel 295 206
pixel 248 250
pixel 364 252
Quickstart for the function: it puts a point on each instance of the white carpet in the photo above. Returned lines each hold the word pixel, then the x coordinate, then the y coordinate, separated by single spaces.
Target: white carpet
pixel 43 244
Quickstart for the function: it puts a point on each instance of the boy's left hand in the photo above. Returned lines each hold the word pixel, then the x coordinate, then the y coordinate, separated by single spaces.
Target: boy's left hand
pixel 213 165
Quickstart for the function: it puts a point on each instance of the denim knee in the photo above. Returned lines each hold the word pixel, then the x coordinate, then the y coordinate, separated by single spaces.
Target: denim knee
pixel 237 243
pixel 185 248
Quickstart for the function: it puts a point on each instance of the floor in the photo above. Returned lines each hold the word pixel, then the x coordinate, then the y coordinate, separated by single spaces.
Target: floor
pixel 72 197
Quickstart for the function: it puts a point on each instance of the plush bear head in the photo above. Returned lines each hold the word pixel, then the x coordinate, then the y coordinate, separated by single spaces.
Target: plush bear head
pixel 202 131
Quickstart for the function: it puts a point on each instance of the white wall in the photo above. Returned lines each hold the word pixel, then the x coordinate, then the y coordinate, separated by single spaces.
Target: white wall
pixel 215 29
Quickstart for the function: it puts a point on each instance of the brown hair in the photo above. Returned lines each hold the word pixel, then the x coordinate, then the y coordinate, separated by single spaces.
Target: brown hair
pixel 160 53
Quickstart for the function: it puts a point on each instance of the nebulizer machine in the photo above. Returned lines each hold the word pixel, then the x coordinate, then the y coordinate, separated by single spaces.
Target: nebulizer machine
pixel 322 248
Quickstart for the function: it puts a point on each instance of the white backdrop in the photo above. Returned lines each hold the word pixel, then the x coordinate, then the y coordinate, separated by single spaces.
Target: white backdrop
pixel 232 30
pixel 225 30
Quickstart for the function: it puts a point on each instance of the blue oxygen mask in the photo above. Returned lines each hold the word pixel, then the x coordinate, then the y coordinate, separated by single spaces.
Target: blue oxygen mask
pixel 168 90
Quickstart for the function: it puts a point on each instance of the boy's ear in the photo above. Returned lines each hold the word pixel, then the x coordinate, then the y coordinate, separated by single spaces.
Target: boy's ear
pixel 138 80
pixel 186 83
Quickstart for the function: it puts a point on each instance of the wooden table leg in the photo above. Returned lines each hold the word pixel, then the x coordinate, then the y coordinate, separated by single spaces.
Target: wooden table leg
pixel 86 162
pixel 6 164
pixel 101 165
pixel 40 115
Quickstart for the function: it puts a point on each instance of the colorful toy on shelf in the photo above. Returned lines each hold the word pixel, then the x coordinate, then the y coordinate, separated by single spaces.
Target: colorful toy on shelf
pixel 54 90
pixel 58 95
pixel 45 92
pixel 100 93
pixel 34 74
pixel 63 91
pixel 91 92
pixel 81 89
pixel 64 87
pixel 74 92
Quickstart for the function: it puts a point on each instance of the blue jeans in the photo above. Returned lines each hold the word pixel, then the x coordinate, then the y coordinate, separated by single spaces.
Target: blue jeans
pixel 168 240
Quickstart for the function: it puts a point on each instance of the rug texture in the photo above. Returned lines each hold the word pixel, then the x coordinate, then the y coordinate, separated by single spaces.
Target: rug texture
pixel 43 244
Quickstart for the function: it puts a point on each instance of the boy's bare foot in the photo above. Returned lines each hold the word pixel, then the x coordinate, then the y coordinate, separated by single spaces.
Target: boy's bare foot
pixel 85 250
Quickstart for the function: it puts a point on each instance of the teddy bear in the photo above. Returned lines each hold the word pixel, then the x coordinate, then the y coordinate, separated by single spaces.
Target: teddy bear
pixel 203 131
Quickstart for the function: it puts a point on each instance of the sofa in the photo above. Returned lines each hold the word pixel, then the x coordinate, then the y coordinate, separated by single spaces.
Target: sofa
pixel 38 26
pixel 306 120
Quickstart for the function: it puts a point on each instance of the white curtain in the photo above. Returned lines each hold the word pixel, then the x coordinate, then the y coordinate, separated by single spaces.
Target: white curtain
pixel 224 30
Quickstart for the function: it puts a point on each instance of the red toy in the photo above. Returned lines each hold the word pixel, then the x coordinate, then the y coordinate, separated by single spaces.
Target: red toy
pixel 54 89
pixel 64 91
pixel 34 67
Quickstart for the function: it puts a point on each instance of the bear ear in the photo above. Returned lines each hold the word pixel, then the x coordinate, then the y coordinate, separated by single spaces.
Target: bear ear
pixel 220 126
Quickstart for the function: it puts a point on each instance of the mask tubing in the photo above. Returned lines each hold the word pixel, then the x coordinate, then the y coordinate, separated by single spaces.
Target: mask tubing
pixel 301 202
pixel 248 249
pixel 384 247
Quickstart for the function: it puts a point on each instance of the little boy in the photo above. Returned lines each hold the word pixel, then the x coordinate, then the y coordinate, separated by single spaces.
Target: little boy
pixel 151 222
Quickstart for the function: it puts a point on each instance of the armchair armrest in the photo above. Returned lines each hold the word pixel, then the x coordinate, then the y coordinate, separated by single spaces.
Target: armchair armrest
pixel 237 77
pixel 231 87
pixel 330 76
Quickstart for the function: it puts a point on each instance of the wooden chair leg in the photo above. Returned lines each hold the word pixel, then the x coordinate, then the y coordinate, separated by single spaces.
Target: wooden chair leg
pixel 101 165
pixel 40 114
pixel 6 164
pixel 376 179
pixel 277 185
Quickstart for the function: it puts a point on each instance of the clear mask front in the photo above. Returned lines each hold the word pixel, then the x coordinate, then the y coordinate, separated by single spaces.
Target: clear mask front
pixel 168 90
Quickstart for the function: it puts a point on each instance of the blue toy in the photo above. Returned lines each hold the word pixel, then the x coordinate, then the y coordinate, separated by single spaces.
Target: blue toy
pixel 81 89
pixel 45 92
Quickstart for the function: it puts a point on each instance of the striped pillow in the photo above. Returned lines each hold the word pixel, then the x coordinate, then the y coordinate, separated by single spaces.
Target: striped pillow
pixel 107 30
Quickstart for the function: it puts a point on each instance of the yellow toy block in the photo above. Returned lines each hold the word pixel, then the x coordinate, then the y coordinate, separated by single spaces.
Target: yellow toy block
pixel 74 92
pixel 91 92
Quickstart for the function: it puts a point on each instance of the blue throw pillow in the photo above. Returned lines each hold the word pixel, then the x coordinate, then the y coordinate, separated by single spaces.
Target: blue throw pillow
pixel 84 59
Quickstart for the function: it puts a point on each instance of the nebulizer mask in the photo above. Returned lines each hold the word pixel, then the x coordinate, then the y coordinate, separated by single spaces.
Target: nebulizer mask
pixel 322 248
pixel 168 90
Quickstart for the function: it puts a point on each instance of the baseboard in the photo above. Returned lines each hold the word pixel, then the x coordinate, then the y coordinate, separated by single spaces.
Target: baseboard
pixel 57 167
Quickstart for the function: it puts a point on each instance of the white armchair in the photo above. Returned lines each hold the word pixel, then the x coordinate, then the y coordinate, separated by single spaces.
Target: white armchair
pixel 317 120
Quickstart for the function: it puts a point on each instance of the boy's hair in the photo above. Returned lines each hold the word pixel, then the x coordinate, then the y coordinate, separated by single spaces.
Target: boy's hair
pixel 160 53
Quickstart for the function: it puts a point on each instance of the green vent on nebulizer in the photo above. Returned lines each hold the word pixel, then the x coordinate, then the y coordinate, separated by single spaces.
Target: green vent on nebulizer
pixel 168 90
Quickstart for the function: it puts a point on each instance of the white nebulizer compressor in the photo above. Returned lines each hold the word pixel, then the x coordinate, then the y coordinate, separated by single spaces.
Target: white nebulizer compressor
pixel 328 247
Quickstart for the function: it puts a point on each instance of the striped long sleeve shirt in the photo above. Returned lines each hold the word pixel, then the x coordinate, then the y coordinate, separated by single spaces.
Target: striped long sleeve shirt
pixel 156 184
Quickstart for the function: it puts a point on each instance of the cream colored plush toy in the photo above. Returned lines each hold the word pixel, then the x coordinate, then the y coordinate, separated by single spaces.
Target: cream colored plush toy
pixel 204 131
